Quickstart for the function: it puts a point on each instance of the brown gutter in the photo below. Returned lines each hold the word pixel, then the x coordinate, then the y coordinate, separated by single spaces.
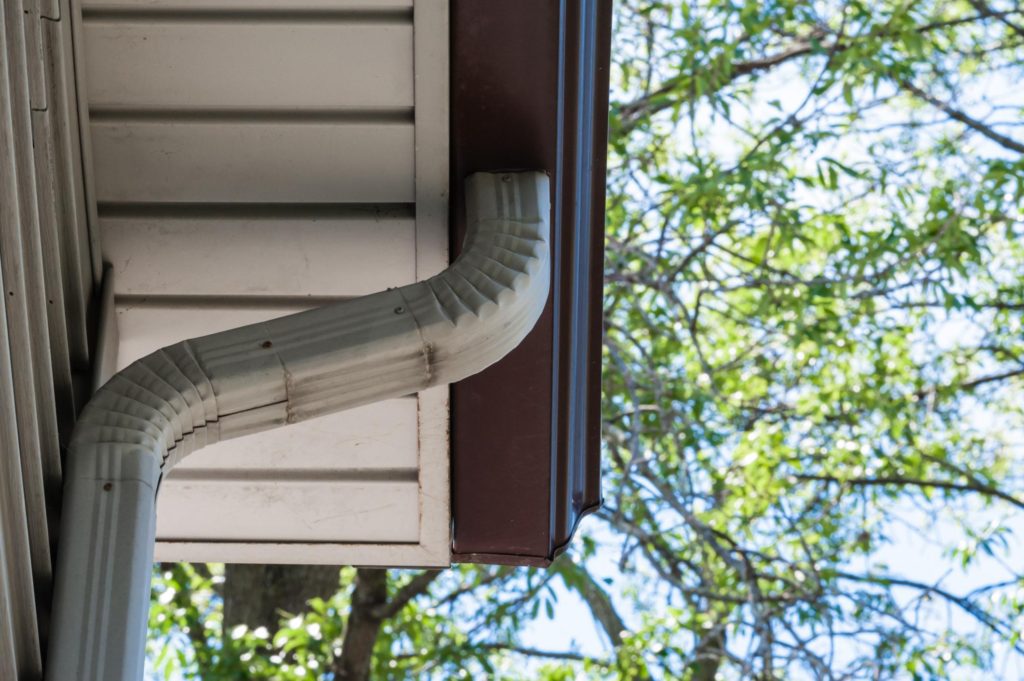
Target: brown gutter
pixel 526 432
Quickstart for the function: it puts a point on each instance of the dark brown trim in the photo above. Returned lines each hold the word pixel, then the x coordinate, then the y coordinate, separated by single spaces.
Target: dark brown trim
pixel 530 90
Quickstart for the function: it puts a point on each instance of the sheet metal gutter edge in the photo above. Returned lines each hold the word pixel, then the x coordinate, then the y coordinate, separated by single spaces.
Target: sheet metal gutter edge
pixel 183 397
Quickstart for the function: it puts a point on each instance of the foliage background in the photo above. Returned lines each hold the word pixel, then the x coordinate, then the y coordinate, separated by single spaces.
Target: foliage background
pixel 813 362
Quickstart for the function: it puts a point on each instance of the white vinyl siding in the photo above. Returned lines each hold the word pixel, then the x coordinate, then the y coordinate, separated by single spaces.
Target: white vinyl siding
pixel 270 65
pixel 323 252
pixel 253 159
pixel 47 276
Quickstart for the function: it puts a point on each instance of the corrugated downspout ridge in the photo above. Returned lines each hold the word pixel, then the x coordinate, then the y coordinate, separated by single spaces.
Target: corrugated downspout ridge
pixel 183 397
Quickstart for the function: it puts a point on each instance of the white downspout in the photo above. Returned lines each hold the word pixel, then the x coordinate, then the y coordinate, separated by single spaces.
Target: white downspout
pixel 169 404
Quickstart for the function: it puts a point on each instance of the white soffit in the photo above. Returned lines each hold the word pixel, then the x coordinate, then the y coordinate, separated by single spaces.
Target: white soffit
pixel 253 158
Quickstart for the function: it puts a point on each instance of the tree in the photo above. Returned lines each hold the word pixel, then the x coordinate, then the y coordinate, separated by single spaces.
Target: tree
pixel 814 314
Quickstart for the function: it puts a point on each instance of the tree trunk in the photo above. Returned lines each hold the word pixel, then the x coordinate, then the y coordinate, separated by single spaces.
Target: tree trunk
pixel 257 595
pixel 369 598
pixel 708 656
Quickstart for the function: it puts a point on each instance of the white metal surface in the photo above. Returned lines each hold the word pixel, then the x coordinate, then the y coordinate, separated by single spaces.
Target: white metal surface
pixel 179 399
pixel 375 437
pixel 253 159
pixel 353 474
pixel 327 252
pixel 24 288
pixel 363 508
pixel 46 284
pixel 321 65
pixel 431 171
pixel 215 6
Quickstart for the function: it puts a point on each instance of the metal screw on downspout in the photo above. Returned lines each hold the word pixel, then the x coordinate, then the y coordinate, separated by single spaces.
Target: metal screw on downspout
pixel 399 310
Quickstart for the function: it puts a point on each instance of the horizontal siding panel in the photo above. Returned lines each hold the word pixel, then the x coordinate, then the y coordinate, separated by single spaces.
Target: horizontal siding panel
pixel 265 162
pixel 144 328
pixel 248 65
pixel 143 6
pixel 336 511
pixel 325 256
pixel 310 553
pixel 375 436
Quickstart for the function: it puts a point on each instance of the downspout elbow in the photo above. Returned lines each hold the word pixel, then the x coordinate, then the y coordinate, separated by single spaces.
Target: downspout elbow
pixel 180 398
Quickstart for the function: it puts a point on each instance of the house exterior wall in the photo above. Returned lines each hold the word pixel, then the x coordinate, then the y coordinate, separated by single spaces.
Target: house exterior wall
pixel 48 275
pixel 309 141
pixel 252 159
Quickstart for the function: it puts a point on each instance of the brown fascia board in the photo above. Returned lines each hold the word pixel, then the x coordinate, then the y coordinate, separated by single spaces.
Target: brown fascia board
pixel 529 89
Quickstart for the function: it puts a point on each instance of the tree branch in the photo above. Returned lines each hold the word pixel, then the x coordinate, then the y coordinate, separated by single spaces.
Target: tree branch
pixel 546 654
pixel 960 116
pixel 971 385
pixel 596 598
pixel 1003 17
pixel 895 480
pixel 657 101
pixel 649 104
pixel 502 572
pixel 417 586
pixel 965 604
